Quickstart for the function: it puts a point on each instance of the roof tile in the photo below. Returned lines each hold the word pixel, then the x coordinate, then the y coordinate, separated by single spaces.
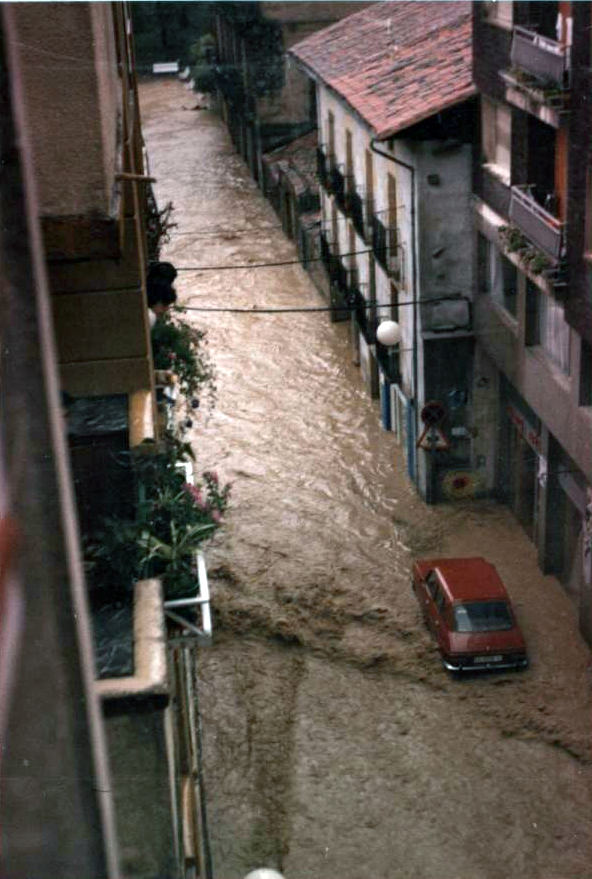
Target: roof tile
pixel 395 63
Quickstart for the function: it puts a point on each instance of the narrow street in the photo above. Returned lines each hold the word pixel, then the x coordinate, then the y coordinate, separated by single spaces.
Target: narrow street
pixel 335 745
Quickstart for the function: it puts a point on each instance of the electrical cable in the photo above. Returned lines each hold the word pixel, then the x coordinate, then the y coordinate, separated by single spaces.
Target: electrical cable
pixel 264 265
pixel 315 308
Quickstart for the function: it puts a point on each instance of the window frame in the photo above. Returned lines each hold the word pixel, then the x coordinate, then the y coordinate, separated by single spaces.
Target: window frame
pixel 499 13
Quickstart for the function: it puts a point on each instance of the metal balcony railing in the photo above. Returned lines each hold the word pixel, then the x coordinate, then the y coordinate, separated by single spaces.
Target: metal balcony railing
pixel 323 167
pixel 357 212
pixel 541 227
pixel 380 242
pixel 540 56
pixel 325 250
pixel 339 275
pixel 338 186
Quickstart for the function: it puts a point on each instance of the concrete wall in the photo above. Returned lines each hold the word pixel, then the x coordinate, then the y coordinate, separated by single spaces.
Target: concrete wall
pixel 137 745
pixel 445 220
pixel 68 62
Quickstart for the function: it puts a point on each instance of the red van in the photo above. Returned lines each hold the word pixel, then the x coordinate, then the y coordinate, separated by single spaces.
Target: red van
pixel 467 609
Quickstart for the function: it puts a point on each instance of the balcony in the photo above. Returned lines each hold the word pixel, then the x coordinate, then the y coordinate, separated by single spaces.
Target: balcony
pixel 339 275
pixel 379 242
pixel 338 186
pixel 356 205
pixel 229 81
pixel 325 250
pixel 323 168
pixel 543 229
pixel 358 303
pixel 539 56
pixel 387 252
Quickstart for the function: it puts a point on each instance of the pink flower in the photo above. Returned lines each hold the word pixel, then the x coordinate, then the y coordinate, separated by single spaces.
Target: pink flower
pixel 212 476
pixel 216 517
pixel 195 494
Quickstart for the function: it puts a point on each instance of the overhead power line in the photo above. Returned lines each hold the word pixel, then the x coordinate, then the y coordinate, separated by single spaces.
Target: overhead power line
pixel 313 308
pixel 263 265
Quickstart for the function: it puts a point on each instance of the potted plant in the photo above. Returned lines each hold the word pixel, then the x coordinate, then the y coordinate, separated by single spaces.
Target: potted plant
pixel 172 519
pixel 181 348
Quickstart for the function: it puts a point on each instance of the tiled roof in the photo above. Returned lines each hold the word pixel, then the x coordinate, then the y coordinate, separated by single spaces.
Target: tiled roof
pixel 395 63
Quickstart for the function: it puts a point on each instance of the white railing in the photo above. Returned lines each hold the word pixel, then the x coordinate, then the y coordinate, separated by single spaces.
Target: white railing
pixel 544 230
pixel 201 599
pixel 541 56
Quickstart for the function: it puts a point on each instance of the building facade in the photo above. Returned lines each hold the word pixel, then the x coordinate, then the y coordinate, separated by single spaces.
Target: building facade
pixel 264 99
pixel 532 313
pixel 99 766
pixel 396 218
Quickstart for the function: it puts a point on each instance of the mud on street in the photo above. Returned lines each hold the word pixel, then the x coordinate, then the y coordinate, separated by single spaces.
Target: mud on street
pixel 335 745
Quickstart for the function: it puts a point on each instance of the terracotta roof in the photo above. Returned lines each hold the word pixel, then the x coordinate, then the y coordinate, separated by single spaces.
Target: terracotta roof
pixel 395 63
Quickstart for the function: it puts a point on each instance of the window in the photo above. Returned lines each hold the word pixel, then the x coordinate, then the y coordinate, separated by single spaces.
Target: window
pixel 482 616
pixel 554 331
pixel 498 12
pixel 585 374
pixel 349 161
pixel 588 233
pixel 498 277
pixel 392 216
pixel 546 326
pixel 496 137
pixel 394 302
pixel 331 137
pixel 432 583
pixel 369 185
pixel 439 599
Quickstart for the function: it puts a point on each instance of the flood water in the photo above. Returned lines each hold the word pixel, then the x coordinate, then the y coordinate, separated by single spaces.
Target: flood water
pixel 334 743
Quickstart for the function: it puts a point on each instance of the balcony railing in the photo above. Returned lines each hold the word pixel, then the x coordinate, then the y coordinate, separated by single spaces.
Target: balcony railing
pixel 359 305
pixel 380 242
pixel 325 250
pixel 541 227
pixel 339 275
pixel 386 250
pixel 338 186
pixel 357 212
pixel 543 58
pixel 323 167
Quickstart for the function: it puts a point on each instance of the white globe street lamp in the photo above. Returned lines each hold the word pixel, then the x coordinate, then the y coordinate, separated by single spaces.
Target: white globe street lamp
pixel 264 873
pixel 388 333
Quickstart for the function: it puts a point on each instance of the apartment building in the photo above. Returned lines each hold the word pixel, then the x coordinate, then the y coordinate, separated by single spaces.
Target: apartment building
pixel 395 158
pixel 99 758
pixel 532 314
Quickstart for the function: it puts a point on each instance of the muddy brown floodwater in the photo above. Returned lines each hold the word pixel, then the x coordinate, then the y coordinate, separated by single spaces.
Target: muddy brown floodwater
pixel 335 745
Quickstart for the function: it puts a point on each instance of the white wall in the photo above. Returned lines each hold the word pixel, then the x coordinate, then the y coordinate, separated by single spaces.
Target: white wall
pixel 361 140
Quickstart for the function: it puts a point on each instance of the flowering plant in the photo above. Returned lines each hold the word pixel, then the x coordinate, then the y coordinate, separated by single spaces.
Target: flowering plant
pixel 173 517
pixel 182 349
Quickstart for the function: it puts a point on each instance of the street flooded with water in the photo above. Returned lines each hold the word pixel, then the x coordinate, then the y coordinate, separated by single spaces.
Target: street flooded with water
pixel 335 745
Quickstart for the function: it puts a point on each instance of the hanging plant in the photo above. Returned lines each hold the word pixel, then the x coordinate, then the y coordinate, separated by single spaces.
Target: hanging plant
pixel 183 349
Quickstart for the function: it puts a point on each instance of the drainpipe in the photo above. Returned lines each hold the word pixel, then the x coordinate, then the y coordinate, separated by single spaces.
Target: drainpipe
pixel 411 170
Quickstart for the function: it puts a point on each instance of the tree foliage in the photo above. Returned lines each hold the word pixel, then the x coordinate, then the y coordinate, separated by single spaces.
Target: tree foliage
pixel 167 31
